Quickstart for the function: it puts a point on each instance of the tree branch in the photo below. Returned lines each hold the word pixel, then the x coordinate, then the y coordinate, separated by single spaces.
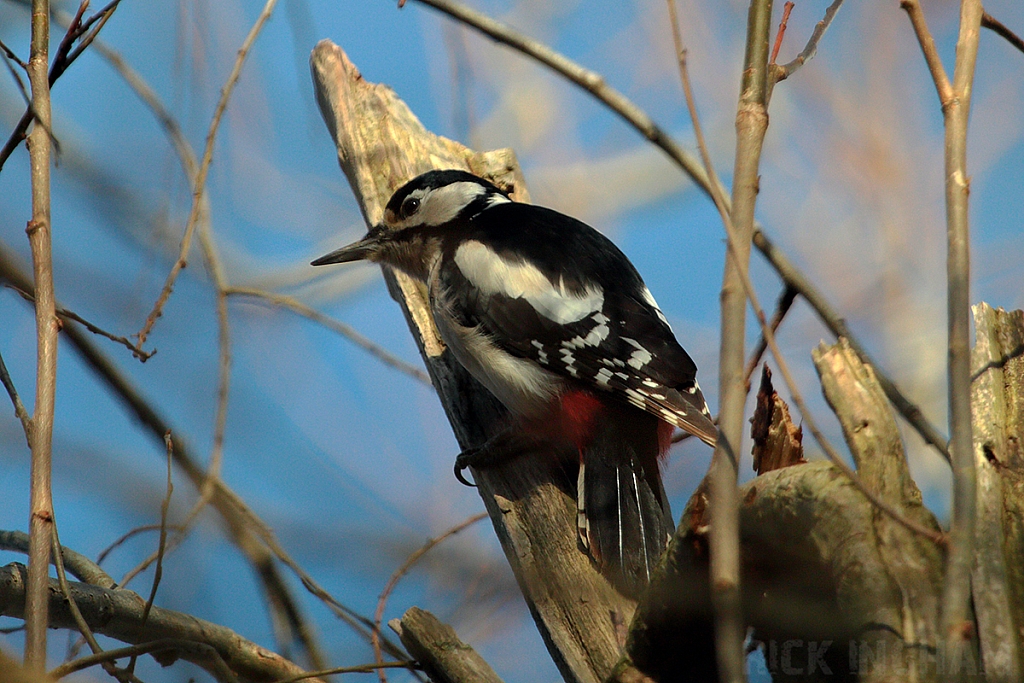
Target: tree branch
pixel 117 613
pixel 438 649
pixel 47 326
pixel 380 146
pixel 997 579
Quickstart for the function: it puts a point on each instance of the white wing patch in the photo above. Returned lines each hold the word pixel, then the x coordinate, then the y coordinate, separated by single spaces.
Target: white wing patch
pixel 640 357
pixel 649 298
pixel 492 274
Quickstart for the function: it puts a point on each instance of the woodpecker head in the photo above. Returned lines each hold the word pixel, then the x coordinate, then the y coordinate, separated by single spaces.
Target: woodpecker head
pixel 407 238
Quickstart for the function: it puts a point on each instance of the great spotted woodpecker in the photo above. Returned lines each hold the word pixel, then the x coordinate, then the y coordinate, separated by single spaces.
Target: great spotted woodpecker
pixel 556 322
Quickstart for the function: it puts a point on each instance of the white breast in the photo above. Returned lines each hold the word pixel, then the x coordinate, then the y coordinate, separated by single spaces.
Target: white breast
pixel 522 386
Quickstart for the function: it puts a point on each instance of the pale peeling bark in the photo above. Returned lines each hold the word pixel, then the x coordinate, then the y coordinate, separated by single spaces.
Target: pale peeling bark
pixel 440 652
pixel 381 145
pixel 997 579
pixel 835 589
pixel 854 593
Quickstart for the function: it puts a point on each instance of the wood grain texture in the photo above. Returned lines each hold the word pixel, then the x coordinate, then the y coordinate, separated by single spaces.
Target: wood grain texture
pixel 440 652
pixel 777 441
pixel 997 581
pixel 913 564
pixel 381 145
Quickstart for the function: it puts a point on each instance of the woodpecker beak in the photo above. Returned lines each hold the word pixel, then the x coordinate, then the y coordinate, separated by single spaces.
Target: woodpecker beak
pixel 362 250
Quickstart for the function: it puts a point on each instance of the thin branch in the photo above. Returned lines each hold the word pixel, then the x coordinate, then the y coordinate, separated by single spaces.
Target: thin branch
pixel 19 408
pixel 781 73
pixel 751 124
pixel 690 165
pixel 931 52
pixel 129 534
pixel 158 572
pixel 590 81
pixel 117 613
pixel 783 24
pixel 957 622
pixel 9 57
pixel 204 167
pixel 955 100
pixel 79 565
pixel 767 333
pixel 374 349
pixel 76 614
pixel 217 667
pixel 47 326
pixel 837 325
pixel 415 557
pixel 785 302
pixel 62 60
pixel 65 314
pixel 993 24
pixel 358 669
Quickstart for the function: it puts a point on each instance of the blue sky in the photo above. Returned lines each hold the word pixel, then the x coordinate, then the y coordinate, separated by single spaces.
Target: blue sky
pixel 349 460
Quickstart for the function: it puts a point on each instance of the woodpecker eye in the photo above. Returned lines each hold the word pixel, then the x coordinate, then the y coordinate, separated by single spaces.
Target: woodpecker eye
pixel 410 206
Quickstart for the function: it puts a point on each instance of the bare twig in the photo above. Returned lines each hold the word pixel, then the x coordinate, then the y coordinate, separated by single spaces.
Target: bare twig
pixel 751 124
pixel 783 23
pixel 594 84
pixel 204 167
pixel 129 534
pixel 76 614
pixel 19 408
pixel 358 669
pixel 781 73
pixel 837 325
pixel 78 564
pixel 117 613
pixel 199 651
pixel 296 306
pixel 955 100
pixel 47 326
pixel 62 60
pixel 590 81
pixel 10 56
pixel 931 52
pixel 785 302
pixel 65 314
pixel 993 24
pixel 415 557
pixel 165 505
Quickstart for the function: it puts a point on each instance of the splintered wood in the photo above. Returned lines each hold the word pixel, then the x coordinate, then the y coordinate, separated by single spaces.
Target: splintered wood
pixel 778 442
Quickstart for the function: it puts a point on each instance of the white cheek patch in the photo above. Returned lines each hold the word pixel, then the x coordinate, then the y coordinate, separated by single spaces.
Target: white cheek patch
pixel 445 203
pixel 492 274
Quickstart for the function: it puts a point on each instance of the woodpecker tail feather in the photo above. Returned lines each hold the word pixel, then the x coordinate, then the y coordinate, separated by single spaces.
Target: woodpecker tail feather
pixel 623 514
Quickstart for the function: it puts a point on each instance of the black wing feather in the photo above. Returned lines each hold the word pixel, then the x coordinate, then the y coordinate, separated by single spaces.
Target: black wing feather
pixel 663 385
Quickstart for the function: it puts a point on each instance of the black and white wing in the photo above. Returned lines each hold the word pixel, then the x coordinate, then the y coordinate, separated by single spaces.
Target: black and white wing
pixel 594 321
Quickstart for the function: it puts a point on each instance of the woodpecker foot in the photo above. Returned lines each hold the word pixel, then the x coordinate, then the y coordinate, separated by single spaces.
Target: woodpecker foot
pixel 500 448
pixel 464 460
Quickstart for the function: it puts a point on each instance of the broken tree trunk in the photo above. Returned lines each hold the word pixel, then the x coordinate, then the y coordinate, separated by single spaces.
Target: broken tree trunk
pixel 835 588
pixel 381 145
